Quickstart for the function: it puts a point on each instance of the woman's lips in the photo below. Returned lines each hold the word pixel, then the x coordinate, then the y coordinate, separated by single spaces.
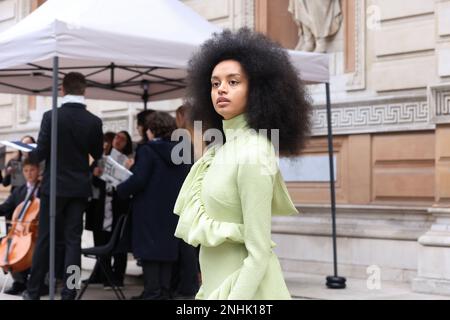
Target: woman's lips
pixel 222 102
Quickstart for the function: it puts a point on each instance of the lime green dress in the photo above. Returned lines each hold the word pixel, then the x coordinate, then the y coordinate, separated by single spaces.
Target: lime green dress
pixel 225 205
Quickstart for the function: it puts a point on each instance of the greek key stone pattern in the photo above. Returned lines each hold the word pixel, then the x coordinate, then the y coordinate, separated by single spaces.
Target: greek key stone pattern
pixel 443 103
pixel 406 116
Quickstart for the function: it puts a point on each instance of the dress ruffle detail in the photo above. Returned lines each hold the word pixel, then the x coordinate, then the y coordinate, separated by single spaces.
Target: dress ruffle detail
pixel 194 225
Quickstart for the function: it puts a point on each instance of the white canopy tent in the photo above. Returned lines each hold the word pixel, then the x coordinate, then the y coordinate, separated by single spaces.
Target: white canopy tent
pixel 121 46
pixel 135 50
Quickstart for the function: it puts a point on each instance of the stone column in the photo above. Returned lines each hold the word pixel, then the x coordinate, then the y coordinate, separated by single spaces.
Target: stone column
pixel 433 270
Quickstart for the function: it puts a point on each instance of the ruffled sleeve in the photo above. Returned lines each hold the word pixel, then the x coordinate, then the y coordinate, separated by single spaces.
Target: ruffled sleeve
pixel 194 225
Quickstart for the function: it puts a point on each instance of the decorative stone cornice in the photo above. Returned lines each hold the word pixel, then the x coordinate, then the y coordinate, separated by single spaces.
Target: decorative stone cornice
pixel 375 115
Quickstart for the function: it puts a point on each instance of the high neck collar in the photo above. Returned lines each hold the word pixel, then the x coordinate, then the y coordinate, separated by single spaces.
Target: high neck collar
pixel 233 126
pixel 238 122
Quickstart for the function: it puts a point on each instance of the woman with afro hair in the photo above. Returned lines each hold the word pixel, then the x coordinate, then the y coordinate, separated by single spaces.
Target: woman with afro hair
pixel 243 85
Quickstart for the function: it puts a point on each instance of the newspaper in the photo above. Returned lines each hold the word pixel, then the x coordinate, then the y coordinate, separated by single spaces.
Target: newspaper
pixel 119 157
pixel 113 172
pixel 18 145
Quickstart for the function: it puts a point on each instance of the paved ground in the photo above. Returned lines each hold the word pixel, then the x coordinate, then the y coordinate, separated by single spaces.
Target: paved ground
pixel 307 286
pixel 301 286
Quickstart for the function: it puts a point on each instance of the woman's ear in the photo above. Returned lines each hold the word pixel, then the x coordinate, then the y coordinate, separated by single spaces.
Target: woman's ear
pixel 149 134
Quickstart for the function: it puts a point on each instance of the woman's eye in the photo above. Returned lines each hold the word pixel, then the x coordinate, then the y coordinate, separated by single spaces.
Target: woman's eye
pixel 233 83
pixel 215 84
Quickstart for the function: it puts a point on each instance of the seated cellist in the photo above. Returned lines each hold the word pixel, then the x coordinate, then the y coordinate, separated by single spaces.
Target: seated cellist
pixel 31 173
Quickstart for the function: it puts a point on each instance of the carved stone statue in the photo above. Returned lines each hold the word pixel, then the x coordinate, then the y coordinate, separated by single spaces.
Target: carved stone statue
pixel 317 20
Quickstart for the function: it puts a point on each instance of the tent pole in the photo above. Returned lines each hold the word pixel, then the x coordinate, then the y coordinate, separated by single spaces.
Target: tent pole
pixel 145 96
pixel 333 282
pixel 53 159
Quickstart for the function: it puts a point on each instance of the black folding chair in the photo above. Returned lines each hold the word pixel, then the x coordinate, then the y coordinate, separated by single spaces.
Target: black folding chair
pixel 101 252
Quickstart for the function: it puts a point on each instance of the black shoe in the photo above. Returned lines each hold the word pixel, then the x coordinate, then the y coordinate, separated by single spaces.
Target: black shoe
pixel 27 296
pixel 155 296
pixel 146 296
pixel 139 297
pixel 93 281
pixel 184 297
pixel 69 296
pixel 45 291
pixel 16 289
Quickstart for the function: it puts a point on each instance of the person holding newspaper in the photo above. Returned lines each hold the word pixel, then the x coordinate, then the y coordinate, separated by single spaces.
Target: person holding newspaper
pixel 104 211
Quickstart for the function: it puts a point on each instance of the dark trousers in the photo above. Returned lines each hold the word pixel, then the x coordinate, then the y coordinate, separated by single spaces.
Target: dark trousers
pixel 20 277
pixel 185 271
pixel 157 275
pixel 116 268
pixel 69 227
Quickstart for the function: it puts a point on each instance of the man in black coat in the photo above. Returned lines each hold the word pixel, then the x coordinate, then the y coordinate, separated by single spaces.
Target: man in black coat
pixel 79 135
pixel 31 173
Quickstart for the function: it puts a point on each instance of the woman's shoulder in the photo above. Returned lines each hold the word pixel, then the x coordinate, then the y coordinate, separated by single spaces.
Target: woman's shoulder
pixel 256 143
pixel 256 151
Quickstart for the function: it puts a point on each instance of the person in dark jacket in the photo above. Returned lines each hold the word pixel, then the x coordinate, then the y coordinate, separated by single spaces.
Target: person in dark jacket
pixel 80 135
pixel 154 185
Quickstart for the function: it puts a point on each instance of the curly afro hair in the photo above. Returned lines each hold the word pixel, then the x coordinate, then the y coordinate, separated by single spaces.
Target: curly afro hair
pixel 277 97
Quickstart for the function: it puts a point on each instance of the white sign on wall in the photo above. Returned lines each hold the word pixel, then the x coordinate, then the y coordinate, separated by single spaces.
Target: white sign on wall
pixel 309 168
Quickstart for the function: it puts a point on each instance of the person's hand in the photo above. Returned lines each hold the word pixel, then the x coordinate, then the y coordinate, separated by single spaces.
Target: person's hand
pixel 9 170
pixel 129 163
pixel 97 171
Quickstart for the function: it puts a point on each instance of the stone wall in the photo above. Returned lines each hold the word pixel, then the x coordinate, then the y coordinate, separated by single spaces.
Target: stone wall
pixel 391 114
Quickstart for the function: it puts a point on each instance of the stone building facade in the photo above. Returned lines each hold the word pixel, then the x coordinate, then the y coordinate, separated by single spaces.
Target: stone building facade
pixel 390 82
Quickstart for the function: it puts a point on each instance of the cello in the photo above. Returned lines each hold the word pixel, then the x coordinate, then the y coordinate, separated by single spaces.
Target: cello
pixel 16 249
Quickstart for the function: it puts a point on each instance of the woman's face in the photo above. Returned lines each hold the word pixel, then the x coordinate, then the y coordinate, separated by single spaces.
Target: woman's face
pixel 229 89
pixel 120 141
